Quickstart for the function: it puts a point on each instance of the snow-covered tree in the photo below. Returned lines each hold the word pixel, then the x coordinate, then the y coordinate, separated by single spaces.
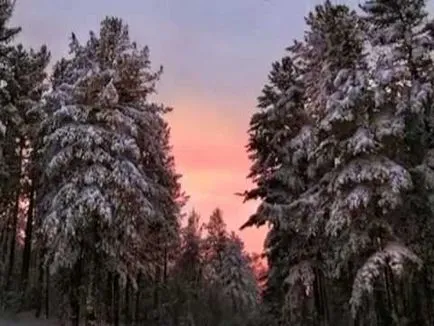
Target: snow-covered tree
pixel 25 89
pixel 280 137
pixel 9 117
pixel 190 261
pixel 259 268
pixel 31 82
pixel 214 245
pixel 102 185
pixel 360 138
pixel 164 237
pixel 393 255
pixel 237 278
pixel 357 140
pixel 402 41
pixel 339 198
pixel 363 180
pixel 229 278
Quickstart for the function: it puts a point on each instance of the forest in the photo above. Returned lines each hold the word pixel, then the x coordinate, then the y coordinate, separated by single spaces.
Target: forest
pixel 93 228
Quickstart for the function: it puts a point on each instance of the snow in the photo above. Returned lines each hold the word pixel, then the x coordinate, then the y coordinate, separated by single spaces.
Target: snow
pixel 104 154
pixel 109 94
pixel 395 255
pixel 2 128
pixel 302 272
pixel 28 322
pixel 361 142
pixel 26 319
pixel 236 276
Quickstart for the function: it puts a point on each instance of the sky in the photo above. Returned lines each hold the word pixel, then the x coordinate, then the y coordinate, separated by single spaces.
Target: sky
pixel 216 56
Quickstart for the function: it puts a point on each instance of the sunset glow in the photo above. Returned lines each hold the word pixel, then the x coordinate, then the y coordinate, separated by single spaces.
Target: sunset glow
pixel 216 57
pixel 210 153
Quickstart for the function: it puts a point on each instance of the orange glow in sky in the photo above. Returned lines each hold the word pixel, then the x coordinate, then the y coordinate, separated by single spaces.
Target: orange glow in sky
pixel 210 153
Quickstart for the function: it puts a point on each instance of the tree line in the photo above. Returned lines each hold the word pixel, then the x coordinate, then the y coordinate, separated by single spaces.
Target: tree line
pixel 342 162
pixel 90 200
pixel 342 159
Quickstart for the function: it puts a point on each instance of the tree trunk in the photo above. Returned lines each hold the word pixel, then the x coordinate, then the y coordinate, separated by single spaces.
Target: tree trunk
pixel 324 298
pixel 16 212
pixel 12 239
pixel 137 304
pixel 127 303
pixel 165 264
pixel 427 281
pixel 317 298
pixel 116 300
pixel 157 281
pixel 47 293
pixel 383 307
pixel 109 299
pixel 320 298
pixel 90 319
pixel 28 239
pixel 74 293
pixel 389 291
pixel 4 237
pixel 40 285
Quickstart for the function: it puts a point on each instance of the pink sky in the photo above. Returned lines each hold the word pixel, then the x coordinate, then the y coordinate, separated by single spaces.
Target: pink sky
pixel 210 153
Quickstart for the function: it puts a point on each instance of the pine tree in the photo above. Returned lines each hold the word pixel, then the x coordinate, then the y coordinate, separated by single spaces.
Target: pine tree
pixel 34 74
pixel 237 277
pixel 100 193
pixel 188 273
pixel 402 41
pixel 280 138
pixel 9 122
pixel 358 161
pixel 189 263
pixel 356 144
pixel 25 90
pixel 214 245
pixel 22 76
pixel 229 281
pixel 8 113
pixel 401 36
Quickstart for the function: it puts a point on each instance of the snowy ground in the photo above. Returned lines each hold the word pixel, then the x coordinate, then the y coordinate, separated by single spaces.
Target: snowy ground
pixel 25 320
pixel 29 322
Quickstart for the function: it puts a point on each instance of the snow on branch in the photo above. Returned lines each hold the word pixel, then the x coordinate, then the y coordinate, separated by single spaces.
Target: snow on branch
pixel 394 255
